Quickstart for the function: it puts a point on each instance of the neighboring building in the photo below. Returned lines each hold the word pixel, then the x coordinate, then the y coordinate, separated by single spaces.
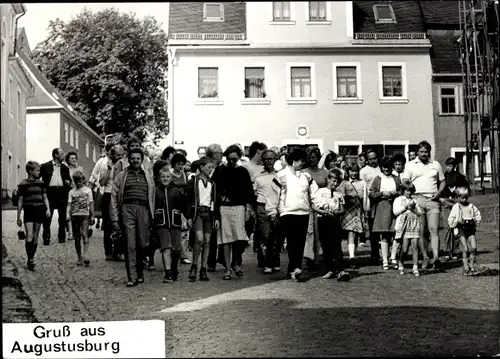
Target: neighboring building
pixel 343 75
pixel 52 122
pixel 16 87
pixel 443 28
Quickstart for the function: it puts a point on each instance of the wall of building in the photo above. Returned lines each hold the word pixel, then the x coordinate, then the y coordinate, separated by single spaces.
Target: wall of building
pixel 261 29
pixel 74 137
pixel 42 135
pixel 275 123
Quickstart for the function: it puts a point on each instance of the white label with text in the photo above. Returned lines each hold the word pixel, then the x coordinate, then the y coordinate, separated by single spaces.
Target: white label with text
pixel 126 339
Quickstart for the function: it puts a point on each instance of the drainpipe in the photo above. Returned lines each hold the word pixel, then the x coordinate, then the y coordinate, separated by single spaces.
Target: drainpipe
pixel 170 99
pixel 15 37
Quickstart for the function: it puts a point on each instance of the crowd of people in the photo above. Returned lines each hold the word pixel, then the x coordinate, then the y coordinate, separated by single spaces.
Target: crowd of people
pixel 213 206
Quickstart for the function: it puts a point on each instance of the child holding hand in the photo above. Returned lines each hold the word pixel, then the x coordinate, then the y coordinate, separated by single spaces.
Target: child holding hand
pixel 407 225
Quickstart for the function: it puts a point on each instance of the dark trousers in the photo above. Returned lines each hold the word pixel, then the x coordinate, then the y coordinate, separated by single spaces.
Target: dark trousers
pixel 295 231
pixel 330 237
pixel 58 200
pixel 216 253
pixel 135 221
pixel 266 250
pixel 374 240
pixel 106 224
pixel 212 253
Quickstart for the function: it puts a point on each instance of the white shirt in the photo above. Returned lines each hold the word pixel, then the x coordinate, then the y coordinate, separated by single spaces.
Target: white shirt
pixel 56 179
pixel 368 174
pixel 296 192
pixel 387 184
pixel 205 193
pixel 425 177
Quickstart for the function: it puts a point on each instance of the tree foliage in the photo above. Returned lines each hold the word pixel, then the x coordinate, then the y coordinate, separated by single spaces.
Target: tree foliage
pixel 111 67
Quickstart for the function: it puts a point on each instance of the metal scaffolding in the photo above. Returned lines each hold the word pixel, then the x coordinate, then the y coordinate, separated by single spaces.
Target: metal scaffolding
pixel 479 54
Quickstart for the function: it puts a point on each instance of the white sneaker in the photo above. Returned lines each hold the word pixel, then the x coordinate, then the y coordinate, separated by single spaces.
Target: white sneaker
pixel 328 275
pixel 268 270
pixel 296 274
pixel 276 269
pixel 185 261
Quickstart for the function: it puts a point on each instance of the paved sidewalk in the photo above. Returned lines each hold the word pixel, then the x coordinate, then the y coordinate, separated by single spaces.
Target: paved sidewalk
pixel 376 313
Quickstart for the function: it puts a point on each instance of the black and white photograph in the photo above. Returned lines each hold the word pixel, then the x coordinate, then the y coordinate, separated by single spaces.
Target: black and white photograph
pixel 250 179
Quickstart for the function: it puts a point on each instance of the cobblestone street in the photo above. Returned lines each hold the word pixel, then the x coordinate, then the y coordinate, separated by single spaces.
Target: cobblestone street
pixel 376 313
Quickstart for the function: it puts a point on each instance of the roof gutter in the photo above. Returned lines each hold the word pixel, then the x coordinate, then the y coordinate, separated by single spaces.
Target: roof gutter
pixel 15 37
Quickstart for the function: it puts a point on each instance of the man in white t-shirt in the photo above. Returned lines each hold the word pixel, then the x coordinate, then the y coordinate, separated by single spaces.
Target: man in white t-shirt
pixel 428 178
pixel 368 174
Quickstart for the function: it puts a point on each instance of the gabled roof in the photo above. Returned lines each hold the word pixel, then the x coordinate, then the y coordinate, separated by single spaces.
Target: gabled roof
pixel 445 57
pixel 440 14
pixel 47 95
pixel 187 17
pixel 22 41
pixel 408 17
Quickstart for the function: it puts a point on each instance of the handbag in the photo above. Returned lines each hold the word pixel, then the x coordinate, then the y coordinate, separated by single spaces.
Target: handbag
pixel 21 235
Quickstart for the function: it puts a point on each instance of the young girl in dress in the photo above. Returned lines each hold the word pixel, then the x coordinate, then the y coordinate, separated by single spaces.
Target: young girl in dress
pixel 407 225
pixel 329 204
pixel 354 221
pixel 463 219
pixel 382 193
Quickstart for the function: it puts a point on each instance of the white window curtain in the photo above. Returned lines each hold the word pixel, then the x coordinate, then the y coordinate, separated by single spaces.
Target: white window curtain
pixel 317 10
pixel 392 81
pixel 346 82
pixel 281 10
pixel 208 82
pixel 301 81
pixel 254 82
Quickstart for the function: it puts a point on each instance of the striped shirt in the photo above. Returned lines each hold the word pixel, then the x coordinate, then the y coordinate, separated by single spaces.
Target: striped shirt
pixel 56 179
pixel 136 187
pixel 32 193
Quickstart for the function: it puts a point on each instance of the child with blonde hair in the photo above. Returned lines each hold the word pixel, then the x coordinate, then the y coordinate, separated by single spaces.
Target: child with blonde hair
pixel 407 226
pixel 463 220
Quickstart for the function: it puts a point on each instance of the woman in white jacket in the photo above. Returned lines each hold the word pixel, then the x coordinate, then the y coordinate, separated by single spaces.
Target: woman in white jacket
pixel 296 191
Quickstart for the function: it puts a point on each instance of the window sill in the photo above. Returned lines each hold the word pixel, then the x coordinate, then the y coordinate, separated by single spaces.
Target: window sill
pixel 319 22
pixel 347 100
pixel 449 114
pixel 281 22
pixel 213 20
pixel 255 101
pixel 393 100
pixel 301 101
pixel 209 102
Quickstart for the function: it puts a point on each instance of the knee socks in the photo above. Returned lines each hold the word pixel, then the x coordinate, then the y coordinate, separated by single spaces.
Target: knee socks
pixel 352 248
pixel 385 251
pixel 30 249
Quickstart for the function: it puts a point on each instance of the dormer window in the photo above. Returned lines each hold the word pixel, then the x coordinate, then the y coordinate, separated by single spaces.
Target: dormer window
pixel 213 12
pixel 384 14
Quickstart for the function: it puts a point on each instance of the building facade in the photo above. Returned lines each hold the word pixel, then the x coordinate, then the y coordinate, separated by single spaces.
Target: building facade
pixel 51 122
pixel 343 75
pixel 16 88
pixel 443 29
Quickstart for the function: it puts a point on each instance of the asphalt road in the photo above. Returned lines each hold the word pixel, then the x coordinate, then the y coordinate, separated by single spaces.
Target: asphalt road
pixel 377 313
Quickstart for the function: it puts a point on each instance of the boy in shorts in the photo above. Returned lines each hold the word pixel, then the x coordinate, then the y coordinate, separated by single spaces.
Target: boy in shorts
pixel 32 198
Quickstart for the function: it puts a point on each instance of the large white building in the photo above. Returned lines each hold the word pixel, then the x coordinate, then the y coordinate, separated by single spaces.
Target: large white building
pixel 343 75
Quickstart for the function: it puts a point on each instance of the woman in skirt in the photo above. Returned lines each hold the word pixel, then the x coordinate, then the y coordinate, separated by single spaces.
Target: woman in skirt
pixel 234 199
pixel 384 189
pixel 354 221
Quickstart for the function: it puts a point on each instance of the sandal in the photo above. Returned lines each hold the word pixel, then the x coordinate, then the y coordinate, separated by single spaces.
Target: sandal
pixel 227 276
pixel 385 266
pixel 238 273
pixel 394 264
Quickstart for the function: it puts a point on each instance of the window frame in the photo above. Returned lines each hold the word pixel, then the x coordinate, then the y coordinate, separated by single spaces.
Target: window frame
pixel 208 100
pixel 384 21
pixel 10 95
pixel 71 136
pixel 291 21
pixel 87 148
pixel 455 97
pixel 261 100
pixel 337 144
pixel 340 100
pixel 77 139
pixel 404 86
pixel 404 143
pixel 300 100
pixel 212 19
pixel 66 132
pixel 94 154
pixel 328 19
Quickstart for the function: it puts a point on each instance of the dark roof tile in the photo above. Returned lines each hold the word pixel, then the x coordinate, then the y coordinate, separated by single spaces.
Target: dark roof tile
pixel 187 17
pixel 440 13
pixel 445 54
pixel 408 17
